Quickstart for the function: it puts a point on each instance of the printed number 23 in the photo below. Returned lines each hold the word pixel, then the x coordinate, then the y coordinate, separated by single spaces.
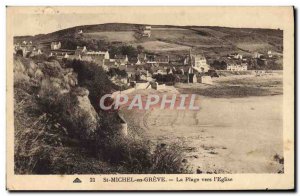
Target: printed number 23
pixel 92 179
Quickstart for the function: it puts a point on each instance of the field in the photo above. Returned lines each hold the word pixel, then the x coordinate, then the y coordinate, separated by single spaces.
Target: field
pixel 184 36
pixel 157 46
pixel 254 46
pixel 112 36
pixel 229 134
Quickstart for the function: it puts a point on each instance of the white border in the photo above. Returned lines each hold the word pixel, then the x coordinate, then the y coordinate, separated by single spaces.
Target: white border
pixel 94 2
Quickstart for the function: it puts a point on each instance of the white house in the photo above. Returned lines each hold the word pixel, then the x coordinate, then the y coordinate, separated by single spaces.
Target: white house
pixel 237 56
pixel 55 45
pixel 146 31
pixel 104 53
pixel 199 63
pixel 237 67
pixel 270 55
pixel 80 50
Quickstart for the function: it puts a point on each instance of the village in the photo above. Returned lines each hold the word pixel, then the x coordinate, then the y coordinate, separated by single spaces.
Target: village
pixel 146 68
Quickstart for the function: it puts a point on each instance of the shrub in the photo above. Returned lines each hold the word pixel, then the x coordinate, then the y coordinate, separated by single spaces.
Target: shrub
pixel 137 157
pixel 94 78
pixel 35 142
pixel 65 109
pixel 130 153
pixel 168 159
pixel 116 72
pixel 136 154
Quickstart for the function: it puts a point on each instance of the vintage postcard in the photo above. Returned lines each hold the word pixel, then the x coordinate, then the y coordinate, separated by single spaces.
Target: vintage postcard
pixel 150 98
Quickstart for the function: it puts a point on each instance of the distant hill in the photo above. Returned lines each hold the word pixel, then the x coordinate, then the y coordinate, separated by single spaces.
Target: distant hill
pixel 174 40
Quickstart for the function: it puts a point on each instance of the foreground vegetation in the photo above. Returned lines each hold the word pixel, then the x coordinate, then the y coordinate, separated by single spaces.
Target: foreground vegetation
pixel 60 130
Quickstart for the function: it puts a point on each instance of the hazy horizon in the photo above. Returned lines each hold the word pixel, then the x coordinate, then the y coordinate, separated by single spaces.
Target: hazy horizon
pixel 146 24
pixel 40 20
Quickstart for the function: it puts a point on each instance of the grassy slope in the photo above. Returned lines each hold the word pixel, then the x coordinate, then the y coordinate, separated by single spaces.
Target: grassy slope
pixel 210 40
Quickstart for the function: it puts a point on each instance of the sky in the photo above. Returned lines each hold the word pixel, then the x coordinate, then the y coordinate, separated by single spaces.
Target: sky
pixel 41 20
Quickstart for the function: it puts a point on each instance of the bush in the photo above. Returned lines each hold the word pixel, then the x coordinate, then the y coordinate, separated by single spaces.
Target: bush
pixel 168 159
pixel 65 109
pixel 169 78
pixel 94 78
pixel 137 157
pixel 134 154
pixel 116 72
pixel 34 144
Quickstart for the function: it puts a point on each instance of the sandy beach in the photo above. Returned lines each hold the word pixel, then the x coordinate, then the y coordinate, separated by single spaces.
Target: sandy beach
pixel 227 135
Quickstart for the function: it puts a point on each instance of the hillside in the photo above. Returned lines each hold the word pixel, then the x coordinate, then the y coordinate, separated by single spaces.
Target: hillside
pixel 212 41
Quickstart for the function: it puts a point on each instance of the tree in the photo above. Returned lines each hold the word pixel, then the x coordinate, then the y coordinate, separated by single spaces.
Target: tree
pixel 219 65
pixel 140 49
pixel 116 72
pixel 19 52
pixel 128 50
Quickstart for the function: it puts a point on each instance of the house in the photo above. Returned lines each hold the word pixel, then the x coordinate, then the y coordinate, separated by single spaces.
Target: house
pixel 205 80
pixel 97 57
pixel 136 74
pixel 26 43
pixel 61 53
pixel 36 51
pixel 186 74
pixel 157 60
pixel 146 32
pixel 141 59
pixel 161 71
pixel 237 67
pixel 187 60
pixel 95 53
pixel 262 61
pixel 184 70
pixel 131 71
pixel 55 45
pixel 100 58
pixel 66 56
pixel 162 59
pixel 197 62
pixel 170 71
pixel 144 75
pixel 270 55
pixel 109 62
pixel 257 55
pixel 86 58
pixel 80 32
pixel 192 78
pixel 25 47
pixel 80 50
pixel 121 59
pixel 106 54
pixel 235 56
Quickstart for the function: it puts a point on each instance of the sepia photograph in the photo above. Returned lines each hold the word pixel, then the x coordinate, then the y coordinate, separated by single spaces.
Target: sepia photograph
pixel 147 95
